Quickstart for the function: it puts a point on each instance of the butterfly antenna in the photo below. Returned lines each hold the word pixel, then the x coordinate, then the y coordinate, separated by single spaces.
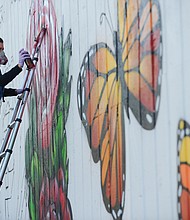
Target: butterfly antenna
pixel 102 16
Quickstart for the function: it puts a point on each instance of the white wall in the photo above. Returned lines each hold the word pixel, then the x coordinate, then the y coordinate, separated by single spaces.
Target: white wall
pixel 151 156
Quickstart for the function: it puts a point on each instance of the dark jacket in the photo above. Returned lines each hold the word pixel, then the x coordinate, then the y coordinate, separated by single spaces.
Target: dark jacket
pixel 7 78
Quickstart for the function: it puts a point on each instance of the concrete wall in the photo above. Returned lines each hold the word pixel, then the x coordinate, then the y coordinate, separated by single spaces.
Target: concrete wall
pixel 105 133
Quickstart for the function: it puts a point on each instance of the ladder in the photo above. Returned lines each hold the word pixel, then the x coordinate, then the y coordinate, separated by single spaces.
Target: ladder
pixel 12 129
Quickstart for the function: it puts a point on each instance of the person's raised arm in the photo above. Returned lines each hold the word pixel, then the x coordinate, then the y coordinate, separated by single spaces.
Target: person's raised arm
pixel 10 75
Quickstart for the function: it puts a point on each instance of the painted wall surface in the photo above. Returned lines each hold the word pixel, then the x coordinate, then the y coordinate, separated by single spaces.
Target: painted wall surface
pixel 106 129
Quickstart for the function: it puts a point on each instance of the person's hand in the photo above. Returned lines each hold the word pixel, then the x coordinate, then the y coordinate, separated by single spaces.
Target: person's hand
pixel 23 55
pixel 20 91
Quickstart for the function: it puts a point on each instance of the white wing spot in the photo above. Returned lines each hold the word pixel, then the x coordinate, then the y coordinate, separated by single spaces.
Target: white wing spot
pixel 91 52
pixel 179 144
pixel 84 116
pixel 178 162
pixel 179 190
pixel 159 78
pixel 187 131
pixel 82 70
pixel 119 213
pixel 86 59
pixel 114 214
pixel 149 118
pixel 178 131
pixel 123 198
pixel 157 102
pixel 83 94
pixel 182 134
pixel 179 177
pixel 79 101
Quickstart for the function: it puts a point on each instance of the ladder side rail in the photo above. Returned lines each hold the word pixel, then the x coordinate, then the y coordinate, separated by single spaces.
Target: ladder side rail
pixel 8 152
pixel 18 120
pixel 10 127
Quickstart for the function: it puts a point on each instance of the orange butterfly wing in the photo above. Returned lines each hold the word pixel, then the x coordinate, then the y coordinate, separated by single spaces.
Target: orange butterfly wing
pixel 139 34
pixel 101 111
pixel 108 81
pixel 184 170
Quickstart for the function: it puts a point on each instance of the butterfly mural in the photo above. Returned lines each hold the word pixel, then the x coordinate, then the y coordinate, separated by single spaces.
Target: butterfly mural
pixel 183 143
pixel 114 81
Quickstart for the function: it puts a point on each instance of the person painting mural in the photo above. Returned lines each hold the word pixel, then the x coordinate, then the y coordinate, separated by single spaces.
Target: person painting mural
pixel 10 75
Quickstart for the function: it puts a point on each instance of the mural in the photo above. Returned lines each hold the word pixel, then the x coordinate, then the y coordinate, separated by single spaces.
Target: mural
pixel 183 143
pixel 113 81
pixel 46 142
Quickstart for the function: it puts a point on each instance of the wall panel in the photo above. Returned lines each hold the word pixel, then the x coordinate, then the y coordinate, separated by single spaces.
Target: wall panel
pixel 108 114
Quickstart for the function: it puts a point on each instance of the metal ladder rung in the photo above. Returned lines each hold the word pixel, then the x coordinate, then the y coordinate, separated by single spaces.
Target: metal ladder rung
pixel 2 155
pixel 11 125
